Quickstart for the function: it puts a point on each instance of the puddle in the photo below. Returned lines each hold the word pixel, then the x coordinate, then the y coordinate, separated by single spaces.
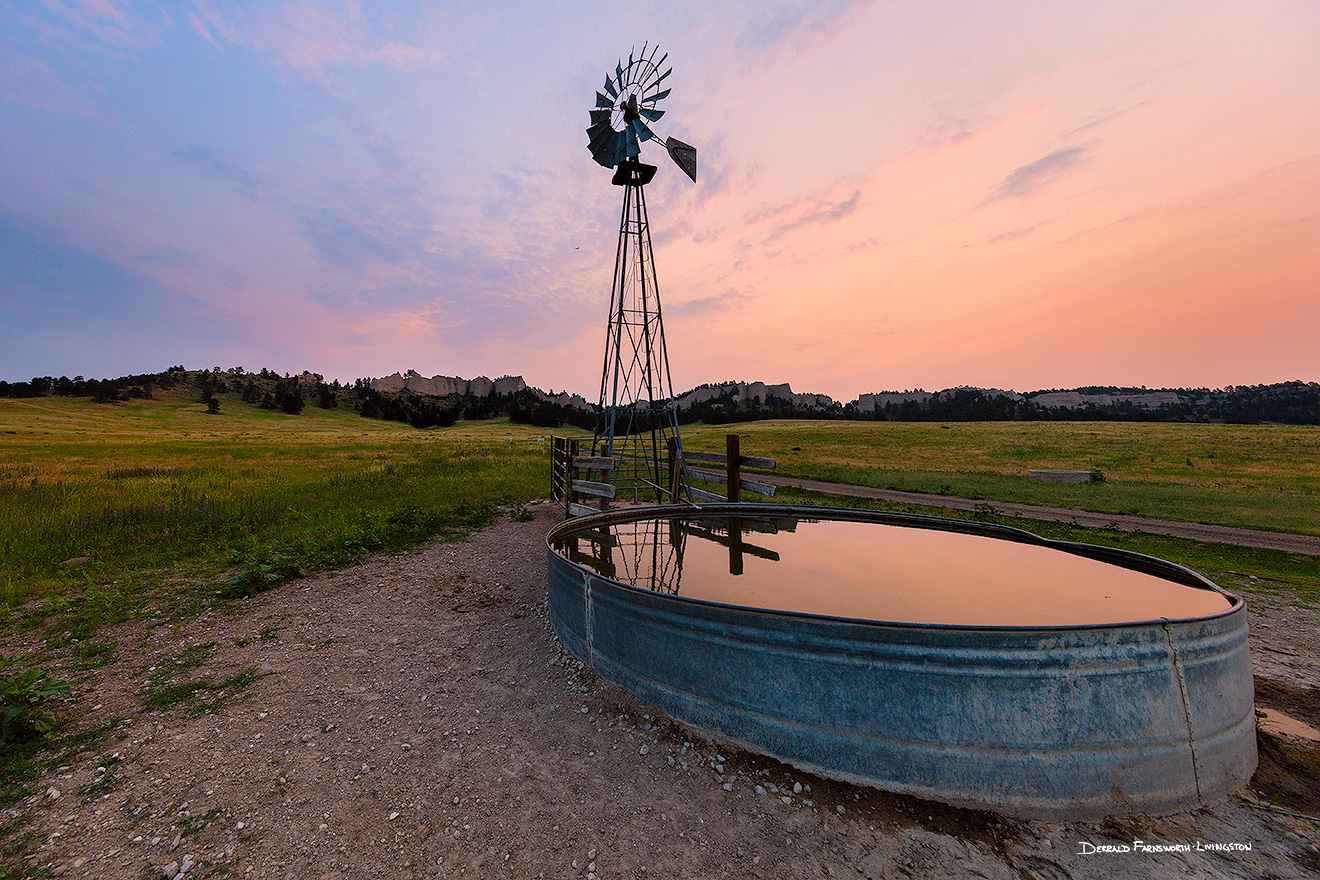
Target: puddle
pixel 1279 724
pixel 880 572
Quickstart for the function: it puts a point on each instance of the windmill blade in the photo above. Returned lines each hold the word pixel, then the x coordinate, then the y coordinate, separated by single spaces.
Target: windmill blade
pixel 598 116
pixel 630 139
pixel 618 74
pixel 602 145
pixel 609 87
pixel 642 131
pixel 649 112
pixel 656 97
pixel 604 102
pixel 684 156
pixel 661 77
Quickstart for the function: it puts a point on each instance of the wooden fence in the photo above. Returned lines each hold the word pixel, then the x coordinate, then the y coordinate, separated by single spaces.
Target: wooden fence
pixel 576 479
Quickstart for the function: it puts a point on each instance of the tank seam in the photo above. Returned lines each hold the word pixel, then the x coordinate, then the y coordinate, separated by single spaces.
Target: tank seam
pixel 589 615
pixel 1187 711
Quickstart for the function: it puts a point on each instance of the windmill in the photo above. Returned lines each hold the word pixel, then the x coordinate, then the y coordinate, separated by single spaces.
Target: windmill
pixel 637 422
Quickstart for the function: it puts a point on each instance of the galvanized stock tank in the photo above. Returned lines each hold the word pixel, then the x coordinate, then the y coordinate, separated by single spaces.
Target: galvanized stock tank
pixel 966 662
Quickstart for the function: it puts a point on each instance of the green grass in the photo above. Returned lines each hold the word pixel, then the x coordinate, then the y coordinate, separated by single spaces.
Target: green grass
pixel 153 493
pixel 199 696
pixel 1255 476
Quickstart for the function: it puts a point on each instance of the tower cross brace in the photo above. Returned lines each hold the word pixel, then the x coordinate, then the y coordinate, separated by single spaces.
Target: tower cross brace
pixel 637 421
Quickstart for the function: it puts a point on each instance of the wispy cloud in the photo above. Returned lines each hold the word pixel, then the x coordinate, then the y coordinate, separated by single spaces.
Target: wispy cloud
pixel 1031 177
pixel 790 25
pixel 113 25
pixel 1013 234
pixel 28 80
pixel 813 212
pixel 705 305
pixel 1102 118
pixel 235 170
pixel 309 36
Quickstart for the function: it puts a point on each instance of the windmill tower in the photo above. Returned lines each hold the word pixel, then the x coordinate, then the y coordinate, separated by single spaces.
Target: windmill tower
pixel 637 422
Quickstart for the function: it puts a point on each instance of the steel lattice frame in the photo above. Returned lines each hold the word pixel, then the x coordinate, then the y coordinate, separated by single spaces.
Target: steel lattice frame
pixel 645 553
pixel 638 416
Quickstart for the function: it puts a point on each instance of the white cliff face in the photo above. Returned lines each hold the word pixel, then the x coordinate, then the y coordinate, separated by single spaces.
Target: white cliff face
pixel 391 384
pixel 577 401
pixel 510 385
pixel 755 392
pixel 1076 399
pixel 758 393
pixel 443 386
pixel 869 403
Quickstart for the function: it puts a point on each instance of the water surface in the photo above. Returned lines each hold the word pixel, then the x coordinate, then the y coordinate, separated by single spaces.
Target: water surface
pixel 880 572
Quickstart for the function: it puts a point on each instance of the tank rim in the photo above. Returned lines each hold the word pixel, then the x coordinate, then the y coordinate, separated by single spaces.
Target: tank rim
pixel 1129 559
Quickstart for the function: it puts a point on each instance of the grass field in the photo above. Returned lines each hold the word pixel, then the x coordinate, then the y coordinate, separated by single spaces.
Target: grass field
pixel 154 495
pixel 155 491
pixel 1257 476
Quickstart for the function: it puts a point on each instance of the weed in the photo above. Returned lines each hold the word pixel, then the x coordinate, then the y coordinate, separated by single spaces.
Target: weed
pixel 200 697
pixel 95 653
pixel 193 656
pixel 24 711
pixel 257 576
pixel 190 826
pixel 107 777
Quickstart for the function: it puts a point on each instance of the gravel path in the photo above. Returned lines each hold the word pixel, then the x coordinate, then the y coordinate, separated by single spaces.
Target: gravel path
pixel 415 717
pixel 1307 544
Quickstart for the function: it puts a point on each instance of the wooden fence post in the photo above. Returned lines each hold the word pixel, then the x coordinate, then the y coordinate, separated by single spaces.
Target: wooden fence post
pixel 571 474
pixel 557 474
pixel 731 454
pixel 673 470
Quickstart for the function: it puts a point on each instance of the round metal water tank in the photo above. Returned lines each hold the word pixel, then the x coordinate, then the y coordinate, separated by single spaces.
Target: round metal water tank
pixel 1075 720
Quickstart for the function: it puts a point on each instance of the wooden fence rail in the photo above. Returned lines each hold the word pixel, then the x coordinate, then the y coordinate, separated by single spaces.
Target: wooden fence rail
pixel 570 489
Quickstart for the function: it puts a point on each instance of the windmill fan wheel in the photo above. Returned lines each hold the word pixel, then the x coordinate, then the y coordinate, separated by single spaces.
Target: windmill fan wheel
pixel 625 106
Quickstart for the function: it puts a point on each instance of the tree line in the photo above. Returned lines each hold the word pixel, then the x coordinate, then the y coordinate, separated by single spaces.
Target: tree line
pixel 1294 403
pixel 265 389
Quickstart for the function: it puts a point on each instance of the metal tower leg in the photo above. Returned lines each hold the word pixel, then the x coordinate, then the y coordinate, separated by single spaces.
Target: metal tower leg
pixel 638 416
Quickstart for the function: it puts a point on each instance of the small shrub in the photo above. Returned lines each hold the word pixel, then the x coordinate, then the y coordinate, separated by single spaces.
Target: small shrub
pixel 259 576
pixel 22 709
pixel 1097 475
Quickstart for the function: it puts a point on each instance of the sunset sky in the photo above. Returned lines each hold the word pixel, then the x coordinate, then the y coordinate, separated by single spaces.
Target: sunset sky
pixel 891 195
